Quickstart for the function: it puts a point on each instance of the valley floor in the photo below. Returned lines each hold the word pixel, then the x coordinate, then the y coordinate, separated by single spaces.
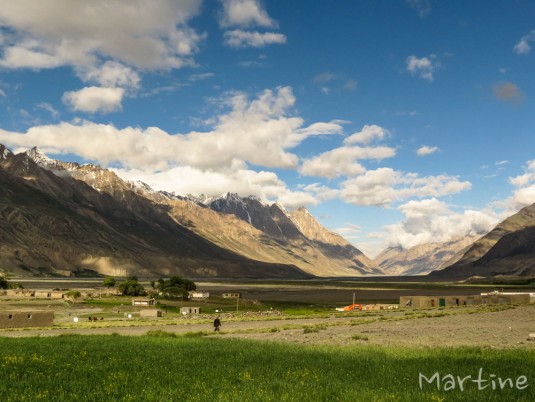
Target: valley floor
pixel 498 326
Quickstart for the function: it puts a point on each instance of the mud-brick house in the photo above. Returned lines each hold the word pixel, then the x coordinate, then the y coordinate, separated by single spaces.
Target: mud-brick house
pixel 22 319
pixel 152 313
pixel 143 302
pixel 190 310
pixel 197 295
pixel 231 295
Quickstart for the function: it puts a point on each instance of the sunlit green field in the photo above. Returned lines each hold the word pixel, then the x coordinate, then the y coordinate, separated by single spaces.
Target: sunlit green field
pixel 162 367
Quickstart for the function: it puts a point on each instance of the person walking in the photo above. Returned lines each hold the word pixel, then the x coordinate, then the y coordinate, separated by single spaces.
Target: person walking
pixel 217 324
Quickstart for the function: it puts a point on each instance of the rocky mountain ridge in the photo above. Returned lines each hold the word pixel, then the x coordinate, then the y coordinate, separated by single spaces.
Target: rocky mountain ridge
pixel 245 227
pixel 421 259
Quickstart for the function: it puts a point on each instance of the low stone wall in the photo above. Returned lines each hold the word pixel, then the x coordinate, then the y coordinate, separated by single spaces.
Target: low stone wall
pixel 23 319
pixel 463 300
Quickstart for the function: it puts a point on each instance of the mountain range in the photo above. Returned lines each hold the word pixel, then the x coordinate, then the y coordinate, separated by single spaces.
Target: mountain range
pixel 70 219
pixel 63 218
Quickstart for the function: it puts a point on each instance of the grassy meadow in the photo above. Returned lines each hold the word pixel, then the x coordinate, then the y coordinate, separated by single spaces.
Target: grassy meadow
pixel 164 367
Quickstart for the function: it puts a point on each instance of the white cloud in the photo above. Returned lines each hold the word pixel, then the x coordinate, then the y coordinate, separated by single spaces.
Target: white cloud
pixel 94 99
pixel 2 93
pixel 189 180
pixel 385 186
pixel 426 150
pixel 423 67
pixel 111 74
pixel 245 13
pixel 430 221
pixel 54 33
pixel 240 39
pixel 524 194
pixel 523 46
pixel 257 131
pixel 343 161
pixel 367 135
pixel 49 108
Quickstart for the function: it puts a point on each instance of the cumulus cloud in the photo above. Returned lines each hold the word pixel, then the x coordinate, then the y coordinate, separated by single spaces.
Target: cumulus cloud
pixel 343 161
pixel 426 150
pixel 245 13
pixel 524 193
pixel 507 92
pixel 367 135
pixel 431 220
pixel 258 131
pixel 111 74
pixel 94 99
pixel 55 33
pixel 240 39
pixel 424 67
pixel 385 186
pixel 523 46
pixel 100 41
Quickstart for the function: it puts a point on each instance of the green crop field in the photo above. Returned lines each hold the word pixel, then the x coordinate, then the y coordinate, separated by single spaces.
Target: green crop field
pixel 164 367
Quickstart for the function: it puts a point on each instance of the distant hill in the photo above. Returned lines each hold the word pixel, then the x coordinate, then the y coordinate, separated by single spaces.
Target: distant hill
pixel 509 249
pixel 421 259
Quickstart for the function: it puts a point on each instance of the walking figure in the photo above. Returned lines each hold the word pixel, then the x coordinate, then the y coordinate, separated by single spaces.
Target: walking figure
pixel 217 324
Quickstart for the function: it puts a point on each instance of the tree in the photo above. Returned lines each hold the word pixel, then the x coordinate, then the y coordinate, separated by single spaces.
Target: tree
pixel 73 294
pixel 3 283
pixel 109 282
pixel 131 287
pixel 176 287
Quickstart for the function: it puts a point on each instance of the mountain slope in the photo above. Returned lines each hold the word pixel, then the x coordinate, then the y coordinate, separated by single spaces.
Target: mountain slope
pixel 509 249
pixel 316 249
pixel 244 226
pixel 59 225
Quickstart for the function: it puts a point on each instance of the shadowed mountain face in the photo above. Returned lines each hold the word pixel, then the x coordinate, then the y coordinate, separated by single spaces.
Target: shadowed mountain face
pixel 509 249
pixel 54 224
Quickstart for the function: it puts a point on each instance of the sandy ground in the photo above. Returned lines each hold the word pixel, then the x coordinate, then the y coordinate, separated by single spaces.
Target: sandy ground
pixel 499 329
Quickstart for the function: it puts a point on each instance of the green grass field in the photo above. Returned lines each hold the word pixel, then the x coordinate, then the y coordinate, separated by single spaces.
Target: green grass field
pixel 162 367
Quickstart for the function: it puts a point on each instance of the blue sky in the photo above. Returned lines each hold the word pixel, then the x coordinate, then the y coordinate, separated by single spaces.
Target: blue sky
pixel 394 122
